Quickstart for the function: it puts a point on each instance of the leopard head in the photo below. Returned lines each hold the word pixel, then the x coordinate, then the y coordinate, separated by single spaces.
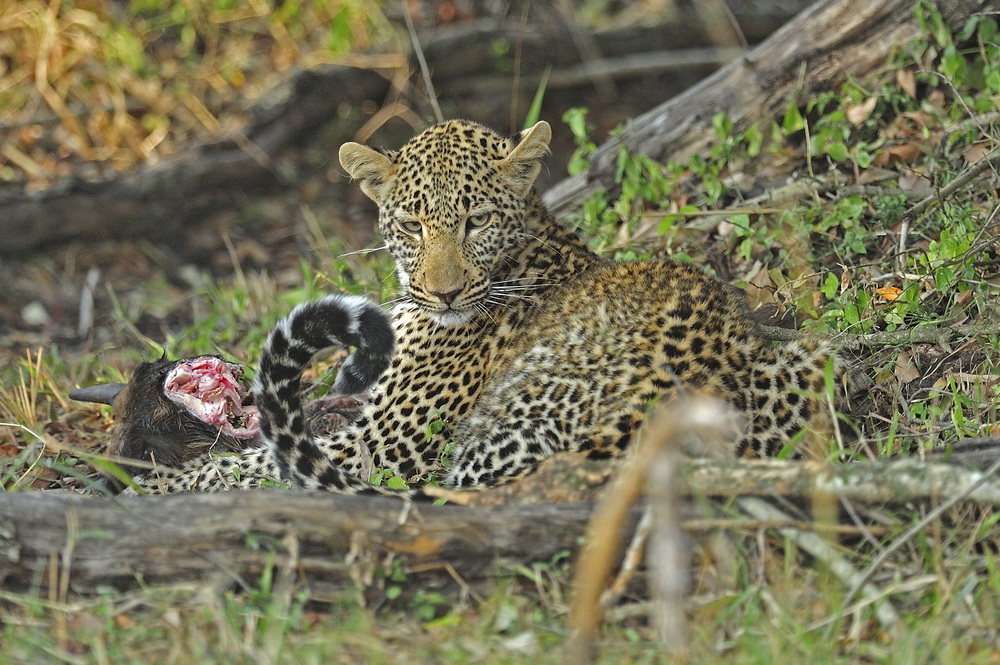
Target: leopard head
pixel 452 205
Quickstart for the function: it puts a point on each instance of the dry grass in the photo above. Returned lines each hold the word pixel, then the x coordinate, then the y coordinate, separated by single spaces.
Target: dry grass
pixel 93 88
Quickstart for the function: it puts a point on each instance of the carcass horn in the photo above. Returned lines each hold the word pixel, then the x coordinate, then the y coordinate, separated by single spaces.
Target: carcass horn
pixel 102 393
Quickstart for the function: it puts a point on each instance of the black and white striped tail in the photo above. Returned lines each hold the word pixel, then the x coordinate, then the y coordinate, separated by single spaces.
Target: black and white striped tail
pixel 333 321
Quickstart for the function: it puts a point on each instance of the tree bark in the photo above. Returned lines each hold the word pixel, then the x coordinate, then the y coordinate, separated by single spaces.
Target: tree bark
pixel 817 50
pixel 231 537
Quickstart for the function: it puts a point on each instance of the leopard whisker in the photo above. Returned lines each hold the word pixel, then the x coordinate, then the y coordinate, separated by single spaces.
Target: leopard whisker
pixel 531 278
pixel 523 285
pixel 363 251
pixel 545 243
pixel 396 301
pixel 486 310
pixel 504 298
pixel 518 287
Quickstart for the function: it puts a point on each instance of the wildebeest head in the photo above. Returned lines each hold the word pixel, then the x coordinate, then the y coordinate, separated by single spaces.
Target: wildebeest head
pixel 172 411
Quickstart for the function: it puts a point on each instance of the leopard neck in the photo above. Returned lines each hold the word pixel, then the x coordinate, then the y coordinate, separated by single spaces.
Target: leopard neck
pixel 553 253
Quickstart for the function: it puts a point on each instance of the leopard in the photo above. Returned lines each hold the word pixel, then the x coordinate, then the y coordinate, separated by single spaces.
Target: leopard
pixel 511 340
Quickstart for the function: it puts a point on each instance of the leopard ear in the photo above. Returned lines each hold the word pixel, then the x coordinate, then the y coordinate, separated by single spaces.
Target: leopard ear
pixel 374 169
pixel 524 161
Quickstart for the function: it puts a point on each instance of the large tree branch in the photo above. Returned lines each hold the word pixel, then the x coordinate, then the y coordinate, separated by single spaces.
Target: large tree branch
pixel 157 202
pixel 817 50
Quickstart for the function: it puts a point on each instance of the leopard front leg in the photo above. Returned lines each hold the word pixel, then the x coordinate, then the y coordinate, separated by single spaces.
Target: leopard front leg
pixel 507 448
pixel 210 473
pixel 494 445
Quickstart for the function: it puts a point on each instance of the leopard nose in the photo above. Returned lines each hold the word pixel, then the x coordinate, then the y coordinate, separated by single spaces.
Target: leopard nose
pixel 447 297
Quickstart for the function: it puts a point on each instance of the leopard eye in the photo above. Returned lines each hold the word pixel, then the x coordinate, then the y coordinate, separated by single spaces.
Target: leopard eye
pixel 411 226
pixel 478 221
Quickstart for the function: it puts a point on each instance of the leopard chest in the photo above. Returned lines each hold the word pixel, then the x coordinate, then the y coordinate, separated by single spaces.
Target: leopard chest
pixel 436 378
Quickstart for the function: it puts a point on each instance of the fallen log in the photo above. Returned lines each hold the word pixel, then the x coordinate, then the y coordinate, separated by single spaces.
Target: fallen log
pixel 84 543
pixel 88 543
pixel 157 202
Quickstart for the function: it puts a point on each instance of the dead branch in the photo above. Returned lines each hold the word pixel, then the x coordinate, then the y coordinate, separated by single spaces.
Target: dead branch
pixel 157 202
pixel 941 335
pixel 230 538
pixel 893 481
pixel 616 52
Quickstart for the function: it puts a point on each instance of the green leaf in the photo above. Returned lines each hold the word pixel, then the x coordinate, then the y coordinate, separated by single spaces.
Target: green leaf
pixel 953 65
pixel 722 125
pixel 992 79
pixel 535 111
pixel 851 314
pixel 394 482
pixel 793 120
pixel 837 151
pixel 830 286
pixel 433 427
pixel 862 156
pixel 340 31
pixel 755 139
pixel 968 29
pixel 576 119
pixel 940 30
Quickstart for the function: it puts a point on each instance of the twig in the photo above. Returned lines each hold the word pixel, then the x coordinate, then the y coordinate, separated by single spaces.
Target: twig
pixel 990 161
pixel 631 562
pixel 633 65
pixel 667 553
pixel 424 69
pixel 879 482
pixel 916 528
pixel 819 548
pixel 718 524
pixel 905 586
pixel 86 322
pixel 518 52
pixel 720 23
pixel 675 420
pixel 942 335
pixel 587 47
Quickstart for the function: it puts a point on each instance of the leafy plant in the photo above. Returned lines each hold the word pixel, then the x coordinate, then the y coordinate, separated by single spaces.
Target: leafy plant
pixel 389 478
